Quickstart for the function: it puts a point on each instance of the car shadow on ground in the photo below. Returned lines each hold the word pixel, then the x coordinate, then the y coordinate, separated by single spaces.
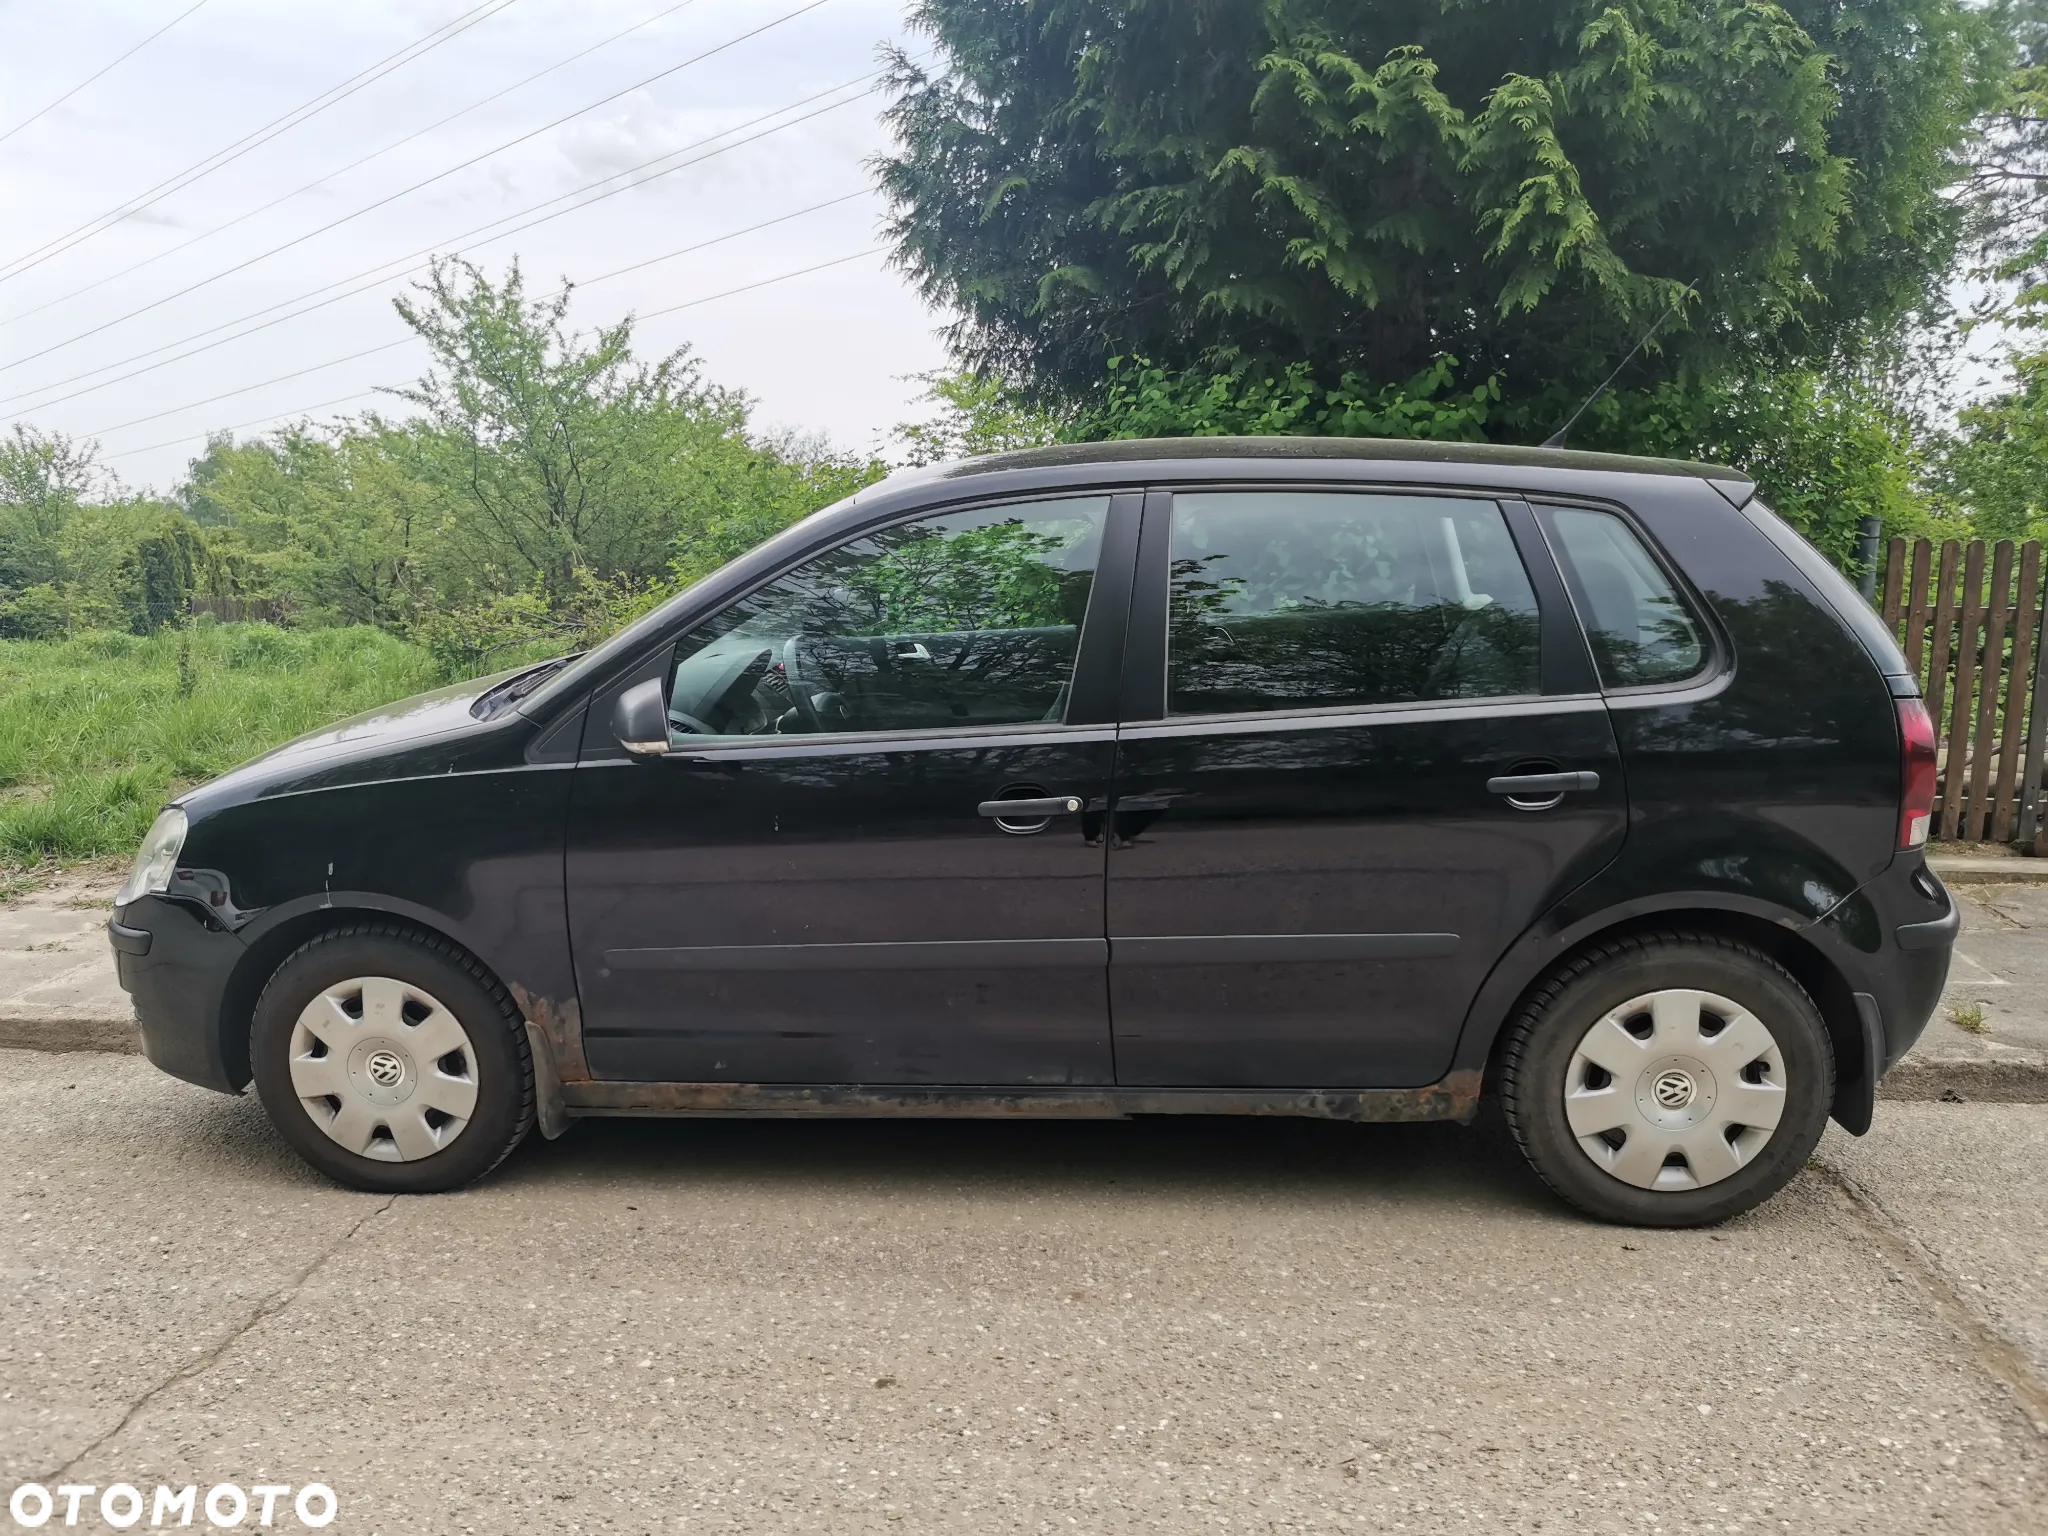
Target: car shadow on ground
pixel 1222 1157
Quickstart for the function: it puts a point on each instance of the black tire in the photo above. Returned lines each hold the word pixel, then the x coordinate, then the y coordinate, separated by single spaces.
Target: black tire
pixel 1543 1038
pixel 503 1066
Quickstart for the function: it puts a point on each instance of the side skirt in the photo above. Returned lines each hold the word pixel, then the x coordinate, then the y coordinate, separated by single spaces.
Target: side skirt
pixel 1456 1097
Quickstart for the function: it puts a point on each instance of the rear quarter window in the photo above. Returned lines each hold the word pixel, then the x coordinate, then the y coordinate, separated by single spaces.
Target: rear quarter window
pixel 1833 589
pixel 1641 630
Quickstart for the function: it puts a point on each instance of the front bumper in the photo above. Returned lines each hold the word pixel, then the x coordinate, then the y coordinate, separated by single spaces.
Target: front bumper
pixel 176 964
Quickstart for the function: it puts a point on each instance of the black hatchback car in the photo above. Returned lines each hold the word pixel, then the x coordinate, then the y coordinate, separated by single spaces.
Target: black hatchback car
pixel 1228 776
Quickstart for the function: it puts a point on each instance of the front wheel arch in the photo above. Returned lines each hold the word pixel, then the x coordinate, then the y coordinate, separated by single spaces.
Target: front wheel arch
pixel 488 1094
pixel 277 943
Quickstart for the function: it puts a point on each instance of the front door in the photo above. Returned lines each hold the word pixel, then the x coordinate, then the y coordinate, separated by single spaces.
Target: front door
pixel 1372 751
pixel 874 853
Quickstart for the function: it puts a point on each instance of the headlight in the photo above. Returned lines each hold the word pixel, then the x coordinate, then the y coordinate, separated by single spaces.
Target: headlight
pixel 153 865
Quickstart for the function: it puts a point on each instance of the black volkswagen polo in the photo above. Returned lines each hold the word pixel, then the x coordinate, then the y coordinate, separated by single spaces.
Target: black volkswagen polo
pixel 1228 776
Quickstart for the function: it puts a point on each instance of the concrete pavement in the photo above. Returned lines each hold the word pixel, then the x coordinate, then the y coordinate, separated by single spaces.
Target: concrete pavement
pixel 890 1326
pixel 58 989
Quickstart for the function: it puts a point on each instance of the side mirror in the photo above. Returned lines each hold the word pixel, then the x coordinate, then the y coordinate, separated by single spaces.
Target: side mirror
pixel 640 719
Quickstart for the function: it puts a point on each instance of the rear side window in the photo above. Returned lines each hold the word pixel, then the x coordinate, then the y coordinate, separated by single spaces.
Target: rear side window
pixel 1286 600
pixel 1641 631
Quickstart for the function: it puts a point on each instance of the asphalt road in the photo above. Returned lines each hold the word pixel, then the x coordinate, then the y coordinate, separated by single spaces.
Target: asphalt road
pixel 1153 1325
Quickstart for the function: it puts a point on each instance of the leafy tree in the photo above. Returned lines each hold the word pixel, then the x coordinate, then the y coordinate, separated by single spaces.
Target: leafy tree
pixel 2009 174
pixel 1826 449
pixel 743 490
pixel 160 571
pixel 75 553
pixel 1241 399
pixel 1995 466
pixel 559 452
pixel 43 478
pixel 339 519
pixel 1361 189
pixel 975 414
pixel 195 493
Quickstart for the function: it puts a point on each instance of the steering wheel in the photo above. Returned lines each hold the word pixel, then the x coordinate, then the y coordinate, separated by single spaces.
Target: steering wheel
pixel 799 692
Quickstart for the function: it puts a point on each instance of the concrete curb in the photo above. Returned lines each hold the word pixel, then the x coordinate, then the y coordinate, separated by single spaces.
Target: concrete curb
pixel 1979 1082
pixel 1988 871
pixel 105 1033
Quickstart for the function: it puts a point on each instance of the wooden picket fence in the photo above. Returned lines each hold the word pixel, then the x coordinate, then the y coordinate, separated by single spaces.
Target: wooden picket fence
pixel 1975 642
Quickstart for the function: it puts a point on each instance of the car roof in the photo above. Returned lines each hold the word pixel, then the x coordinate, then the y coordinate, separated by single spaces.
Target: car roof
pixel 1335 451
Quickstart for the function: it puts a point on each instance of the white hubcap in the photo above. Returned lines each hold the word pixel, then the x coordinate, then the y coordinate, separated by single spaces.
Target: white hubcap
pixel 1675 1089
pixel 383 1069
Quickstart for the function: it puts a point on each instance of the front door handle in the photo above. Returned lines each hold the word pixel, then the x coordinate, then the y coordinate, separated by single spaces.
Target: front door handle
pixel 1540 791
pixel 1031 810
pixel 1529 786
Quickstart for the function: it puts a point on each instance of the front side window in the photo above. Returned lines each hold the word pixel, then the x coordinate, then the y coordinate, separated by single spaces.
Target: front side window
pixel 966 619
pixel 1287 600
pixel 1640 630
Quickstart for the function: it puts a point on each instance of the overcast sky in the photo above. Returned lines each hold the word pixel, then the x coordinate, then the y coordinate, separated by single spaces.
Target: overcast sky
pixel 825 351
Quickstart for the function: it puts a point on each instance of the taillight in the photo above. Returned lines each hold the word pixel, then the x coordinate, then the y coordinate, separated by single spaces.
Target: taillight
pixel 1916 754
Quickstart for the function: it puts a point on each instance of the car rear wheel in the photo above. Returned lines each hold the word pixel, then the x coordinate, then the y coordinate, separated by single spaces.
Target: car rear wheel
pixel 1668 1080
pixel 391 1060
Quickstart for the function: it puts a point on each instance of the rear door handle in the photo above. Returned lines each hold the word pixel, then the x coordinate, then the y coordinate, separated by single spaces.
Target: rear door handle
pixel 1031 810
pixel 1539 786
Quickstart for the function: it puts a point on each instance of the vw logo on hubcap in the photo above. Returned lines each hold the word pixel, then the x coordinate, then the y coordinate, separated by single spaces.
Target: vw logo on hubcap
pixel 385 1069
pixel 1674 1090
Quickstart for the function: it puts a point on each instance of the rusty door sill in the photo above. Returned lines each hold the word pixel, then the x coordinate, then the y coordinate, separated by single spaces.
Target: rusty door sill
pixel 1454 1098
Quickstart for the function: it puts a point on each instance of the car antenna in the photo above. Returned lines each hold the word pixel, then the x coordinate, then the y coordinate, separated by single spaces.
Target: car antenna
pixel 1556 439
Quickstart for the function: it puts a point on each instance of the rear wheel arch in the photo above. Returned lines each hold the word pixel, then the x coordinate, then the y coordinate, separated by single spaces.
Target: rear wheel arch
pixel 1808 964
pixel 1668 1077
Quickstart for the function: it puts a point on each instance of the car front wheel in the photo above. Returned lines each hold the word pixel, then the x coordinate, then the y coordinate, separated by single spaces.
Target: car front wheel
pixel 1669 1080
pixel 391 1061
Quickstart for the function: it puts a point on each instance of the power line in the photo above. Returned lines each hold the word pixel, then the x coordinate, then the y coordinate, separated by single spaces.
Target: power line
pixel 602 277
pixel 748 287
pixel 240 266
pixel 297 373
pixel 200 170
pixel 254 421
pixel 685 250
pixel 88 80
pixel 383 275
pixel 836 261
pixel 363 394
pixel 361 160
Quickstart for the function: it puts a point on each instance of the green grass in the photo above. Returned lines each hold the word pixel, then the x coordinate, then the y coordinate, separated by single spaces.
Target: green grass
pixel 94 736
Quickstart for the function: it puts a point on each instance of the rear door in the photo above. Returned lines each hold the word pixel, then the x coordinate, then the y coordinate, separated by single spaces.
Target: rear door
pixel 1363 747
pixel 819 883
